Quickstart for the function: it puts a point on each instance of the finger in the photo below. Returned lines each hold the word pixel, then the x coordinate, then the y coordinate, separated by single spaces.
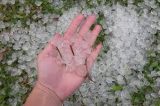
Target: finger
pixel 73 26
pixel 91 59
pixel 86 26
pixel 94 34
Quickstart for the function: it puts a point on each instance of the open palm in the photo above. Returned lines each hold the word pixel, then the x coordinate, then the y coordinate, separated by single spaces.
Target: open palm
pixel 64 63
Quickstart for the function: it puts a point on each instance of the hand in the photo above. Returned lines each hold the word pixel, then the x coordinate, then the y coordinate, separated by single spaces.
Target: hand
pixel 65 62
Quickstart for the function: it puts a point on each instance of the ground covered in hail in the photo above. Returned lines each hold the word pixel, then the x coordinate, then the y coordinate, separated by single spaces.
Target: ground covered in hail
pixel 127 71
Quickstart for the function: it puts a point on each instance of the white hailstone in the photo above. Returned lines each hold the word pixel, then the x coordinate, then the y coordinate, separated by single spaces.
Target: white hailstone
pixel 153 74
pixel 58 3
pixel 125 94
pixel 45 18
pixel 26 46
pixel 124 70
pixel 38 3
pixel 28 10
pixel 6 38
pixel 28 22
pixel 25 38
pixel 15 72
pixel 40 15
pixel 19 24
pixel 158 73
pixel 17 46
pixel 136 83
pixel 155 95
pixel 22 67
pixel 51 28
pixel 31 80
pixel 87 12
pixel 4 2
pixel 34 16
pixel 120 79
pixel 29 58
pixel 109 80
pixel 68 103
pixel 2 25
pixel 126 103
pixel 15 88
pixel 91 104
pixel 148 96
pixel 22 1
pixel 12 1
pixel 21 9
pixel 158 47
pixel 50 1
pixel 130 1
pixel 13 101
pixel 140 76
pixel 159 92
pixel 17 37
pixel 9 62
pixel 1 15
pixel 32 27
pixel 158 82
pixel 146 103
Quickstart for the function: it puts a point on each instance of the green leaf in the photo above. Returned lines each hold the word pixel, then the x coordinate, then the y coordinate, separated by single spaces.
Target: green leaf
pixel 157 103
pixel 117 88
pixel 138 97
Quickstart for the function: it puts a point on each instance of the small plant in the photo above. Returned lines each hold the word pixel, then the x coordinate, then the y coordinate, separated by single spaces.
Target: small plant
pixel 102 35
pixel 117 87
pixel 138 98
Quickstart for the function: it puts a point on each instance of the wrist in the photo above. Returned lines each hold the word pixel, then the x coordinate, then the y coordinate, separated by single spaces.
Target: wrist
pixel 49 92
pixel 60 91
pixel 41 96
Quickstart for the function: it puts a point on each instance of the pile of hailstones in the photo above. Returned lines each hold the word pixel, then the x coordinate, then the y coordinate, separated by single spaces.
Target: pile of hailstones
pixel 129 36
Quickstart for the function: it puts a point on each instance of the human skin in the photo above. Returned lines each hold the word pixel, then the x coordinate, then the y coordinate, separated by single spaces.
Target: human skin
pixel 63 67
